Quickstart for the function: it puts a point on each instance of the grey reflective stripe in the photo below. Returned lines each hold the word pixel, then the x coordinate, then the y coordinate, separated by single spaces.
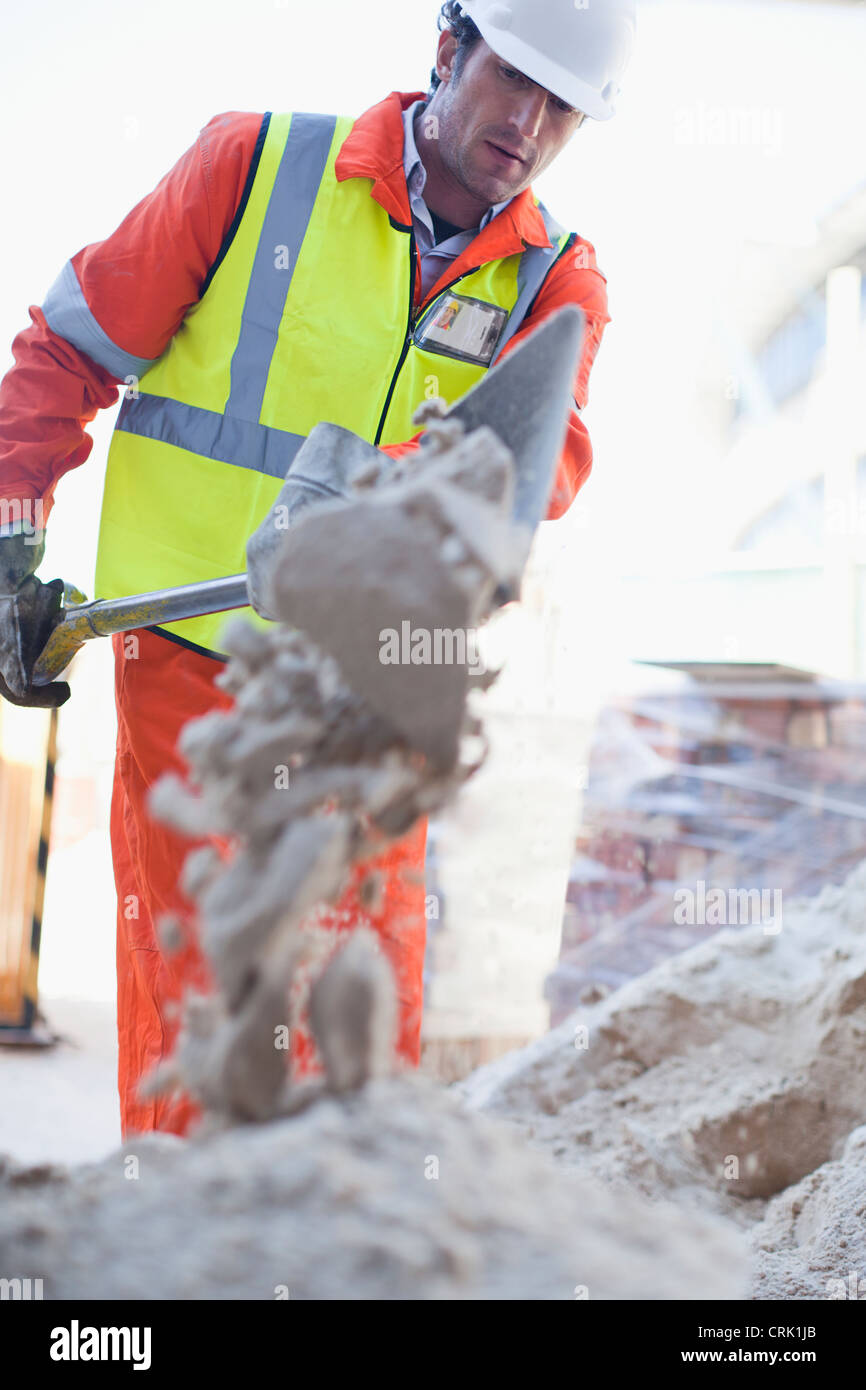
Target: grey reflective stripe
pixel 67 314
pixel 534 265
pixel 229 440
pixel 554 229
pixel 290 206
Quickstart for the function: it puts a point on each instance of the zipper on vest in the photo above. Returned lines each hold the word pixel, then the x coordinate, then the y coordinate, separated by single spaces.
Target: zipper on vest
pixel 410 329
pixel 444 290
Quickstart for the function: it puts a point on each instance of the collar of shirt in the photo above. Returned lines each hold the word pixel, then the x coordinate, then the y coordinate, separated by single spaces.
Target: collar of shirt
pixel 433 258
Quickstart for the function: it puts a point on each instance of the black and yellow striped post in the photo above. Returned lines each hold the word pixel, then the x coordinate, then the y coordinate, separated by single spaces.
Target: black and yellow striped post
pixel 20 1023
pixel 30 992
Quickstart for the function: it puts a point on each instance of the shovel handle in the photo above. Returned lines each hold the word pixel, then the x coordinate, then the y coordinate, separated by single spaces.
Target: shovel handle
pixel 103 617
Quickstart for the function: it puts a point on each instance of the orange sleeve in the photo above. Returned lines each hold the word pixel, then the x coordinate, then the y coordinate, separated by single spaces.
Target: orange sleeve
pixel 130 295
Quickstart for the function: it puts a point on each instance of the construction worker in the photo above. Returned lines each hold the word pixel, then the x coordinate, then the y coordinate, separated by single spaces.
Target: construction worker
pixel 289 269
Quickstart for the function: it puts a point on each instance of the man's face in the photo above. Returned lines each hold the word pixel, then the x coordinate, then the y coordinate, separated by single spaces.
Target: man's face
pixel 497 130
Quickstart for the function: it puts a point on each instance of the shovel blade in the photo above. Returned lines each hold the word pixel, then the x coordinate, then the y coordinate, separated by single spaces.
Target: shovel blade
pixel 526 399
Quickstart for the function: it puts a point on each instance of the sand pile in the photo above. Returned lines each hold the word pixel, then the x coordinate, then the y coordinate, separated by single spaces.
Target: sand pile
pixel 392 1193
pixel 812 1241
pixel 723 1077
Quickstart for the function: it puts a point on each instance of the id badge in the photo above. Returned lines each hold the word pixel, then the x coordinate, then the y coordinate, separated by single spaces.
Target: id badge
pixel 457 326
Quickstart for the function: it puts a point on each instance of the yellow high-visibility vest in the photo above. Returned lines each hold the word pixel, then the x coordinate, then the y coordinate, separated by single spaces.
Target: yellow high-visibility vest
pixel 307 317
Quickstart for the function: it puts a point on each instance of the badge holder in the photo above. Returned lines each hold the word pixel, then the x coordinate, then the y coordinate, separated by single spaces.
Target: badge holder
pixel 463 328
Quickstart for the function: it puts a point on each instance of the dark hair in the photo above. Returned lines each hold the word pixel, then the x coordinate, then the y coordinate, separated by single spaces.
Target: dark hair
pixel 465 32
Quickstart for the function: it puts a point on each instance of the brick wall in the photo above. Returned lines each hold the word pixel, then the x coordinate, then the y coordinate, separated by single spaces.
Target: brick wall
pixel 741 786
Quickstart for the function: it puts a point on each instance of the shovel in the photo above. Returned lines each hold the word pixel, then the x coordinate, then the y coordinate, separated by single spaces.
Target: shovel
pixel 525 400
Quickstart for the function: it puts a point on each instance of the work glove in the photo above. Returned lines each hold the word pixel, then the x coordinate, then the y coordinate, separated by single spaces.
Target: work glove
pixel 329 466
pixel 29 612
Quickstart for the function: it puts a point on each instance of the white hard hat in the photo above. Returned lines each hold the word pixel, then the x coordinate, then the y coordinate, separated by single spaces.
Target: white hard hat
pixel 576 49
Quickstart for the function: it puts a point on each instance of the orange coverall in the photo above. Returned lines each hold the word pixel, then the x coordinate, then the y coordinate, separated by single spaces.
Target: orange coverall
pixel 138 284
